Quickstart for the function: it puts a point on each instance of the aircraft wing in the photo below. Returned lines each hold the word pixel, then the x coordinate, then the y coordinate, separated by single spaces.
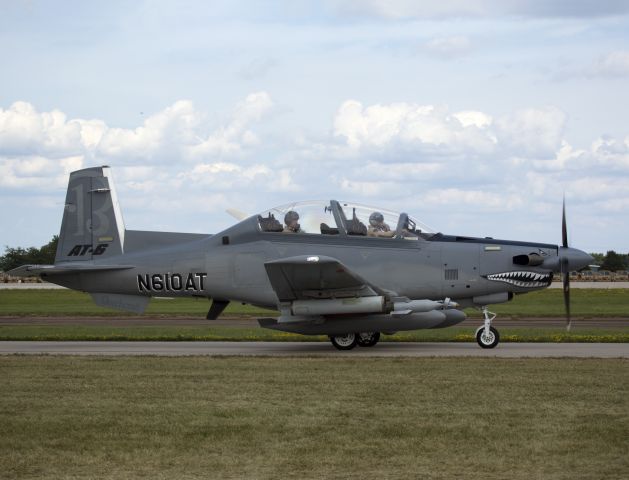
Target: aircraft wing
pixel 35 270
pixel 315 276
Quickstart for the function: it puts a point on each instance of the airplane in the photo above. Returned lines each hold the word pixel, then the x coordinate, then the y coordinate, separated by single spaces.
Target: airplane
pixel 344 270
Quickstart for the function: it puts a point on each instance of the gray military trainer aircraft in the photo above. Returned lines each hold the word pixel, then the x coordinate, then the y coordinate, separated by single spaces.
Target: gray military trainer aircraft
pixel 331 268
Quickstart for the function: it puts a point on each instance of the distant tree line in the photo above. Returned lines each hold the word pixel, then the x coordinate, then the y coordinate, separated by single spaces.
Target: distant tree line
pixel 612 261
pixel 14 257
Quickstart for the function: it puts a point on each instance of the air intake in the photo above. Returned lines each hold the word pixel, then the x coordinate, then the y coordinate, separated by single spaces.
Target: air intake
pixel 532 260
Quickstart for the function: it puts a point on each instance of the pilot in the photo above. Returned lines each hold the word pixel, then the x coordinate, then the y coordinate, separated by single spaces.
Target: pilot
pixel 377 227
pixel 291 219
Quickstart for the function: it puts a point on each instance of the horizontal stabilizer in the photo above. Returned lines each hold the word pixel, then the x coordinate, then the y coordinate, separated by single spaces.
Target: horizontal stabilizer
pixel 75 267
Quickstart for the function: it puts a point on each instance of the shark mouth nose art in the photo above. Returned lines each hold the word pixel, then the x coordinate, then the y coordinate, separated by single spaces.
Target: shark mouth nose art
pixel 523 279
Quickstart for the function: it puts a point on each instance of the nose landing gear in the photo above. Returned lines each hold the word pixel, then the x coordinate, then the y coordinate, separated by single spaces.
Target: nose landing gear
pixel 487 336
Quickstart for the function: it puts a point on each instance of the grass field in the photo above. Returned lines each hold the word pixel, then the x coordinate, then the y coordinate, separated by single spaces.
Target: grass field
pixel 586 303
pixel 546 303
pixel 70 302
pixel 69 417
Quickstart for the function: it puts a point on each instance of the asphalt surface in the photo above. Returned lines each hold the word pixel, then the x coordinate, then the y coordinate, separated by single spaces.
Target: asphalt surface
pixel 318 349
pixel 251 322
pixel 556 284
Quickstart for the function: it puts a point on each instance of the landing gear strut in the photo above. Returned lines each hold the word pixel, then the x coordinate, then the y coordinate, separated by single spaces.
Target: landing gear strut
pixel 487 336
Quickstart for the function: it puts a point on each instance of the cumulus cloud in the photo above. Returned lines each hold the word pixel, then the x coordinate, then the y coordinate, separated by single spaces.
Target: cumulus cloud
pixel 424 159
pixel 470 117
pixel 40 145
pixel 225 175
pixel 430 160
pixel 172 128
pixel 23 130
pixel 532 132
pixel 458 196
pixel 427 131
pixel 235 136
pixel 425 127
pixel 33 171
pixel 611 153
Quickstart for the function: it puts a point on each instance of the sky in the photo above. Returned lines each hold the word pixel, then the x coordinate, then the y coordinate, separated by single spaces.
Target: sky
pixel 474 116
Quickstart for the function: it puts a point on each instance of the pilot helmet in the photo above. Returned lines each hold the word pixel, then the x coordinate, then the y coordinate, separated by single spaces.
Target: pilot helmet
pixel 376 218
pixel 291 216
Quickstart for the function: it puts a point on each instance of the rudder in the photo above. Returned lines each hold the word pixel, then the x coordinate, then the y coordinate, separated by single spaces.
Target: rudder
pixel 92 227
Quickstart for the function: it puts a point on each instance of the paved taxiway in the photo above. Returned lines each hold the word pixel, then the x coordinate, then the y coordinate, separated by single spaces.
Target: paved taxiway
pixel 556 284
pixel 383 349
pixel 250 322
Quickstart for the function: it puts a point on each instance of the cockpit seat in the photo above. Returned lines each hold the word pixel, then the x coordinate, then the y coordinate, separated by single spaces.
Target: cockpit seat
pixel 356 227
pixel 270 223
pixel 327 230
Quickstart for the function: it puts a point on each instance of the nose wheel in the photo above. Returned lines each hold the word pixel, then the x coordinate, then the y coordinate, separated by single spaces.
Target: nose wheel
pixel 487 336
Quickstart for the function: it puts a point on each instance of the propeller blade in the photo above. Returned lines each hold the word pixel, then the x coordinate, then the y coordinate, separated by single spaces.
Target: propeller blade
pixel 565 274
pixel 237 214
pixel 565 267
pixel 564 228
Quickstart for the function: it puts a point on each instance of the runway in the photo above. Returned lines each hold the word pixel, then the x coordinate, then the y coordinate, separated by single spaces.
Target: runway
pixel 556 284
pixel 317 349
pixel 242 321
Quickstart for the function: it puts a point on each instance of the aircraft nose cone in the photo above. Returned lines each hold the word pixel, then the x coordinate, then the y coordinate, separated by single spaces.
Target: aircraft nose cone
pixel 577 259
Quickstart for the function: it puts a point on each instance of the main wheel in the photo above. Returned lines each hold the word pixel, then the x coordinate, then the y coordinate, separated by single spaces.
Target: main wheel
pixel 367 339
pixel 344 342
pixel 487 341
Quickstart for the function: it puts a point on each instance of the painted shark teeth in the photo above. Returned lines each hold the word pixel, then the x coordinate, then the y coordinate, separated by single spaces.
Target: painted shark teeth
pixel 523 279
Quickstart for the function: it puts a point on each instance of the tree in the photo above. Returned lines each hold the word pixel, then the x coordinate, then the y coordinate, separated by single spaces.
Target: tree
pixel 614 261
pixel 15 257
pixel 599 258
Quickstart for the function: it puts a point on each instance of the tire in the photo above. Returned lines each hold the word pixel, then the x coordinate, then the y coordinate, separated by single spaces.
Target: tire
pixel 491 342
pixel 344 342
pixel 367 339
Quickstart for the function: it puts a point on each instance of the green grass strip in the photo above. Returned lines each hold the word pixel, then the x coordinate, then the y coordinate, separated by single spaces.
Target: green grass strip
pixel 308 418
pixel 545 303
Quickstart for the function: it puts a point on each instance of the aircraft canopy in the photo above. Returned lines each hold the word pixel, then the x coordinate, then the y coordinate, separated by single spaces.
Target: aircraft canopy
pixel 341 218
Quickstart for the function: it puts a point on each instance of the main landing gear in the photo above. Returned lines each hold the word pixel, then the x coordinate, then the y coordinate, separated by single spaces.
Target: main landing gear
pixel 350 340
pixel 487 336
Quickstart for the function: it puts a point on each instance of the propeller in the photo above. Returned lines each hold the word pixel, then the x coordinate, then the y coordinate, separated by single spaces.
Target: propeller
pixel 237 214
pixel 565 267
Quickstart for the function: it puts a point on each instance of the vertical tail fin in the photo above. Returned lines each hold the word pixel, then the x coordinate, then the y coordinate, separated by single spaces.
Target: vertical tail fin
pixel 92 226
